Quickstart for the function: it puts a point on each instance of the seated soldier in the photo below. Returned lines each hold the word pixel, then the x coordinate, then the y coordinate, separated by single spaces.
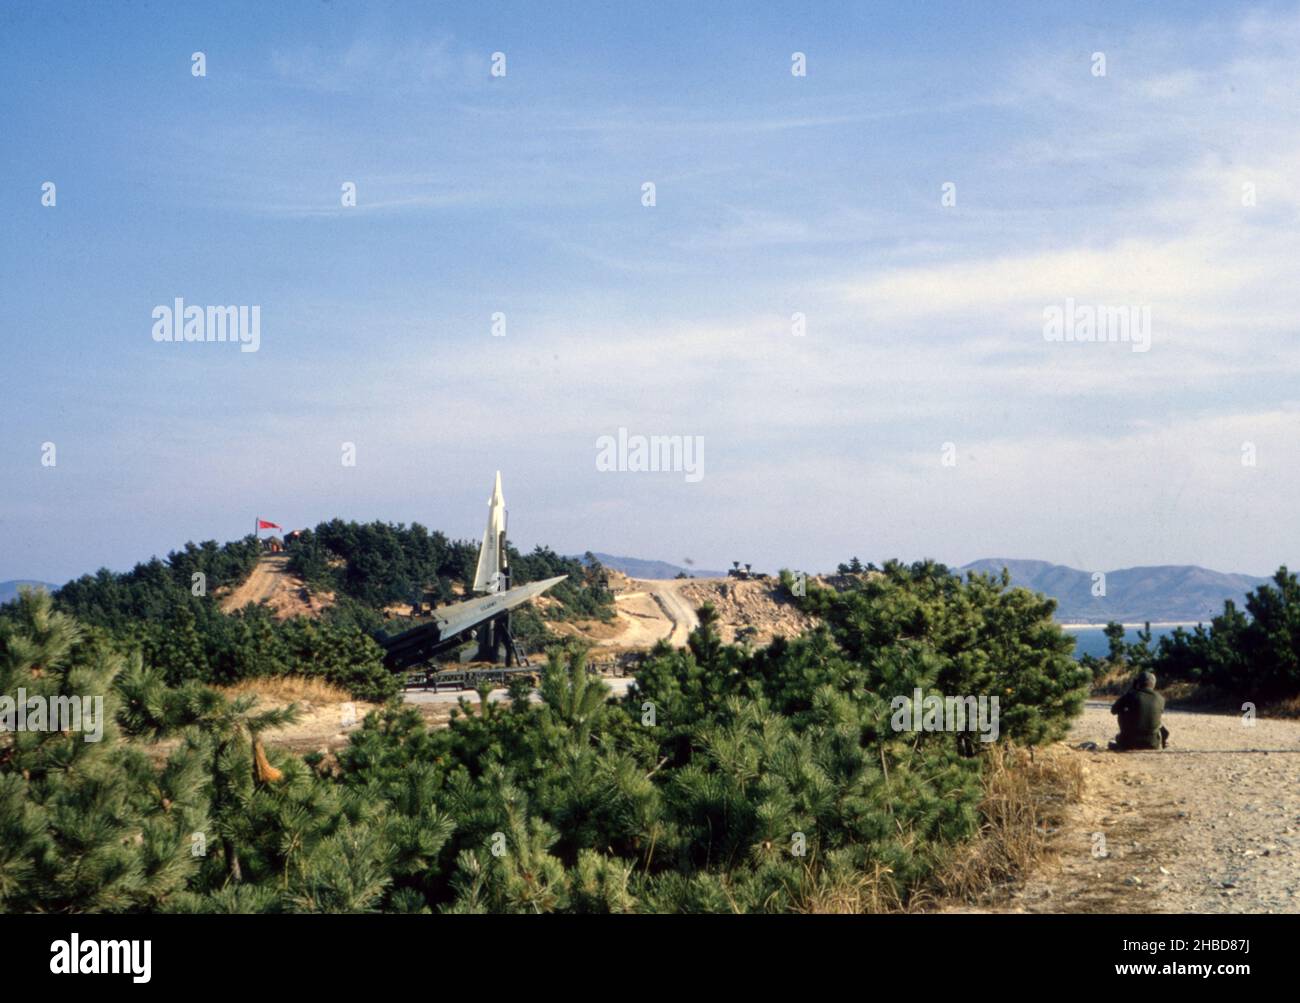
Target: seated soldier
pixel 1139 712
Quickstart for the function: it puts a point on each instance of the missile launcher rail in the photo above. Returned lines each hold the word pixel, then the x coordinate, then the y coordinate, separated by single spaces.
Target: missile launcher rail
pixel 466 679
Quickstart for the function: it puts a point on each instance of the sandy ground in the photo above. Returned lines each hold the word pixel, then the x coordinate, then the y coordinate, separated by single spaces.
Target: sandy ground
pixel 749 610
pixel 323 725
pixel 1209 825
pixel 670 597
pixel 270 582
pixel 327 725
pixel 265 580
pixel 651 611
pixel 646 610
pixel 450 698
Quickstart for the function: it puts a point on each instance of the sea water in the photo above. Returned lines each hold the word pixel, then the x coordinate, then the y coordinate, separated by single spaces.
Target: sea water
pixel 1093 640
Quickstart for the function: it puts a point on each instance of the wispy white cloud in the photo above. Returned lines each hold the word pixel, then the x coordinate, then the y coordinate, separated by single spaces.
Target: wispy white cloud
pixel 369 63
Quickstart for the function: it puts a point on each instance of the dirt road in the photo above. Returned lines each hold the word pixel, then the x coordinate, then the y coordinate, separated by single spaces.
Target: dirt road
pixel 618 686
pixel 676 607
pixel 1209 825
pixel 271 583
pixel 266 579
pixel 651 611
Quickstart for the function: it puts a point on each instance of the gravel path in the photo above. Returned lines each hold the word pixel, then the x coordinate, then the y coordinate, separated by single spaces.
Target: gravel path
pixel 1209 825
pixel 267 577
pixel 651 611
pixel 682 614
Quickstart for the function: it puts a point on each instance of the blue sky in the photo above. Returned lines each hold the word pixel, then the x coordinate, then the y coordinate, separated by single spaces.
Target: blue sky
pixel 775 194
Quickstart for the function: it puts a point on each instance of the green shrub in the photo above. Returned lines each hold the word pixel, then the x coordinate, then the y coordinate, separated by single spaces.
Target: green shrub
pixel 728 779
pixel 1253 654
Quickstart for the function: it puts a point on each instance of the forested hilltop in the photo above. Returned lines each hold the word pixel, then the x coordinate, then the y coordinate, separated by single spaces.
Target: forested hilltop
pixel 729 780
pixel 169 609
pixel 379 564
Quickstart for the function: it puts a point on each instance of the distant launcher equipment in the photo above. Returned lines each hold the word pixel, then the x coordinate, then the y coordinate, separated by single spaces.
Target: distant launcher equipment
pixel 450 624
pixel 745 572
pixel 488 615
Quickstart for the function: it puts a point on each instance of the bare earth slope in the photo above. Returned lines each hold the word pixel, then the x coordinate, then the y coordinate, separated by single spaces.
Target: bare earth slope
pixel 1211 824
pixel 646 611
pixel 759 610
pixel 670 597
pixel 271 583
pixel 650 610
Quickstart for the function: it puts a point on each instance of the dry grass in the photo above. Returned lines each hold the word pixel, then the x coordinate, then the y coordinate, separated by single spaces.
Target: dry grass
pixel 1113 682
pixel 1212 698
pixel 1290 707
pixel 1118 680
pixel 290 689
pixel 1025 798
pixel 867 892
pixel 1181 694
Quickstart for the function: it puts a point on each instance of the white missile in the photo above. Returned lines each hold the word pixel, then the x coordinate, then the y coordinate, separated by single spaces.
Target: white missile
pixel 491 574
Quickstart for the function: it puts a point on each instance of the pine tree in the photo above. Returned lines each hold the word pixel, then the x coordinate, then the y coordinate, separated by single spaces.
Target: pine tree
pixel 221 733
pixel 179 650
pixel 87 825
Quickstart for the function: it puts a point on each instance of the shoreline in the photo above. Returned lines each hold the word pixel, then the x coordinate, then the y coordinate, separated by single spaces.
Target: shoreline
pixel 1132 626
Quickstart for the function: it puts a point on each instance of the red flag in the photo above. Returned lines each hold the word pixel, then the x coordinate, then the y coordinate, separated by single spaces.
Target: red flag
pixel 263 524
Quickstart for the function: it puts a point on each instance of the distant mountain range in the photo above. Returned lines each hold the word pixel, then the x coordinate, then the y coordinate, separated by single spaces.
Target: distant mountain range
pixel 1169 593
pixel 9 589
pixel 635 567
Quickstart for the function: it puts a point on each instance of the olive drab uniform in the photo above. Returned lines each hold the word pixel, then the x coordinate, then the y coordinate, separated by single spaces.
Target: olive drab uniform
pixel 1139 714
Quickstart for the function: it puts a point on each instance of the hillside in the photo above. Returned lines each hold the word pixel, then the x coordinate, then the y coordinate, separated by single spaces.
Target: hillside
pixel 283 593
pixel 648 610
pixel 223 612
pixel 1175 593
pixel 380 578
pixel 636 567
pixel 9 589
